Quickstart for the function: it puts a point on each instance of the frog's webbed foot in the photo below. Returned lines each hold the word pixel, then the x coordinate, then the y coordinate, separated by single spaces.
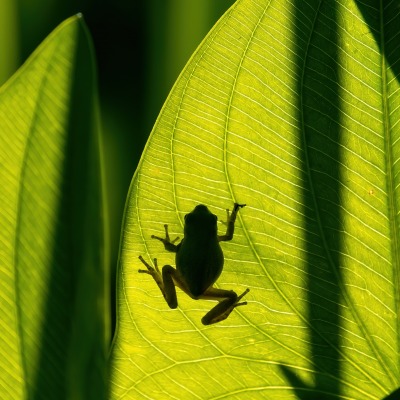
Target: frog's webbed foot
pixel 154 272
pixel 167 242
pixel 223 309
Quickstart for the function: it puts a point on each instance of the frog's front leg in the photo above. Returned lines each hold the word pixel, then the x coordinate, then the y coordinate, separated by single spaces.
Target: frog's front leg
pixel 164 280
pixel 167 242
pixel 230 222
pixel 228 300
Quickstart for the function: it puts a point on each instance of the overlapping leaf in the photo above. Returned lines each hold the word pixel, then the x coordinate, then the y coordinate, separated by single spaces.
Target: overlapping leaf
pixel 52 264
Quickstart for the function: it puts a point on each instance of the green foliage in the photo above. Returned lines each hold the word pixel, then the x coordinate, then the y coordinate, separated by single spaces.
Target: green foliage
pixel 293 109
pixel 54 303
pixel 290 107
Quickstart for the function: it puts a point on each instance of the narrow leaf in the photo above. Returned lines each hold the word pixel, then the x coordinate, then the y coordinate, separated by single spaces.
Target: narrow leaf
pixel 52 262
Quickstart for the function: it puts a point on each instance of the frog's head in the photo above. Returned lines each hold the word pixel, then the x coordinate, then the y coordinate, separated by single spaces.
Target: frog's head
pixel 201 222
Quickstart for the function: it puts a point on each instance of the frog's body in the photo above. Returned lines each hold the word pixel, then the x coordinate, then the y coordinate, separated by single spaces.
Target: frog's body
pixel 199 258
pixel 199 262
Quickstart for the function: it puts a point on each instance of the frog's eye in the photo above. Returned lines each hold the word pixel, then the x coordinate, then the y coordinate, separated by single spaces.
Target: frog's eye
pixel 185 217
pixel 216 218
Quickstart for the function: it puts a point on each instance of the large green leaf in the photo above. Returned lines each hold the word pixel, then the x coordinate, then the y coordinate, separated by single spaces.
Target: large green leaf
pixel 54 319
pixel 293 108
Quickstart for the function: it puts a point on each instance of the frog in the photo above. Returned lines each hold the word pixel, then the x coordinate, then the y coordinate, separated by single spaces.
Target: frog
pixel 199 262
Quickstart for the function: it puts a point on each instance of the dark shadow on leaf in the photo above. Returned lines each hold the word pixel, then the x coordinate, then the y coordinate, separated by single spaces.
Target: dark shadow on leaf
pixel 320 136
pixel 320 113
pixel 302 390
pixel 393 396
pixel 384 26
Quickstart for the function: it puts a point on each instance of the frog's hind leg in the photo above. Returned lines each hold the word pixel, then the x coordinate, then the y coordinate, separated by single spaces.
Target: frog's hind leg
pixel 164 280
pixel 228 300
